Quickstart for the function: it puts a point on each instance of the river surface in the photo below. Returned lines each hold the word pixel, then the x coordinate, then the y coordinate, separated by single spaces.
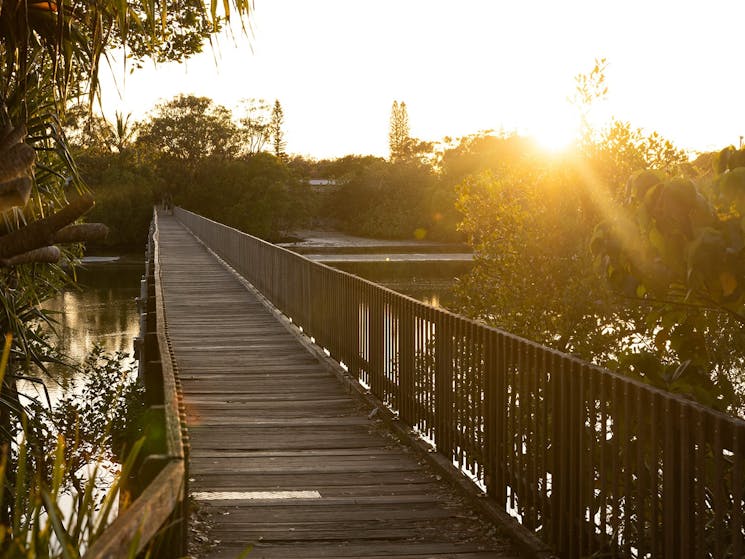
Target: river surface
pixel 102 311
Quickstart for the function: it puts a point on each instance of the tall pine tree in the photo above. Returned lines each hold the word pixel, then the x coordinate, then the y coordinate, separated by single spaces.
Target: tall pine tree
pixel 275 128
pixel 399 135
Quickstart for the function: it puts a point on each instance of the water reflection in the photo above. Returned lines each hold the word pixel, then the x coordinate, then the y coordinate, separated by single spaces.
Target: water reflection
pixel 428 281
pixel 102 312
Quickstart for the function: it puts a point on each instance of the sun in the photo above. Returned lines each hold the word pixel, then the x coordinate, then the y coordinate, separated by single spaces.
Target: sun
pixel 554 137
pixel 553 127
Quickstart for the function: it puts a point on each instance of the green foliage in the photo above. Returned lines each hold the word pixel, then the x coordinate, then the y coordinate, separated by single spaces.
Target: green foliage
pixel 125 194
pixel 101 418
pixel 187 129
pixel 677 248
pixel 532 272
pixel 478 152
pixel 255 194
pixel 382 199
pixel 671 250
pixel 169 31
pixel 59 488
pixel 40 525
pixel 621 150
pixel 191 151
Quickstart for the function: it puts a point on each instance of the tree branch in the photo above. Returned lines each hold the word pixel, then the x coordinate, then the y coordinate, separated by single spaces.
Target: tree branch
pixel 712 306
pixel 81 232
pixel 50 255
pixel 41 233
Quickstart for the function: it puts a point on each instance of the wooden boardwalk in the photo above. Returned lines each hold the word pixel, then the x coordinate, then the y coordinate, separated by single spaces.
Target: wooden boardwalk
pixel 282 457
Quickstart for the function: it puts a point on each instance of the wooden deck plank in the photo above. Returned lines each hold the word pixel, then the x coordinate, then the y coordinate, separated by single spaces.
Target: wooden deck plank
pixel 264 414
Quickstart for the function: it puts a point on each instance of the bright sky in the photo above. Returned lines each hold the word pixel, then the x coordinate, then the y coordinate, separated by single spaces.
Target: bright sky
pixel 467 65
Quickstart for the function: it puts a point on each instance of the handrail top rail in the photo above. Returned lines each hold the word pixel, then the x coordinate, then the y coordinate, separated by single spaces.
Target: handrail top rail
pixel 733 421
pixel 174 441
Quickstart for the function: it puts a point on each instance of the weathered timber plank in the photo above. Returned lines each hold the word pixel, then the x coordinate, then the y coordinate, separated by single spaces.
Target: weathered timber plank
pixel 363 487
pixel 369 550
pixel 299 480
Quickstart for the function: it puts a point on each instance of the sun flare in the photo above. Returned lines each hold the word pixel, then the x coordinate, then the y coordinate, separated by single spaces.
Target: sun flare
pixel 554 138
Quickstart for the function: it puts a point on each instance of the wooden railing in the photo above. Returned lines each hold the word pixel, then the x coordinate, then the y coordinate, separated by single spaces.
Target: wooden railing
pixel 157 517
pixel 592 461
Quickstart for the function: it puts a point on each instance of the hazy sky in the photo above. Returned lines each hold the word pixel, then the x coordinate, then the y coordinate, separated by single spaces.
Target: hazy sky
pixel 466 65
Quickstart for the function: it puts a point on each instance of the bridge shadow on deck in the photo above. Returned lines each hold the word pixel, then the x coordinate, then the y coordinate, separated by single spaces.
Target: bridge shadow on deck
pixel 266 416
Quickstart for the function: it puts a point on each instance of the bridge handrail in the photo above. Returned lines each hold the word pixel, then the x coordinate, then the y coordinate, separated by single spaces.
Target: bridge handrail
pixel 593 461
pixel 159 511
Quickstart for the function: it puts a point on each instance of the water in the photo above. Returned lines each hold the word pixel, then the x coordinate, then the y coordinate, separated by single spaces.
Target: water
pixel 428 281
pixel 103 311
pixel 423 270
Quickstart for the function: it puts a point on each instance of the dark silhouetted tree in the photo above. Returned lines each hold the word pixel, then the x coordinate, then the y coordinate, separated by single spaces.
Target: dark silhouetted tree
pixel 275 128
pixel 189 128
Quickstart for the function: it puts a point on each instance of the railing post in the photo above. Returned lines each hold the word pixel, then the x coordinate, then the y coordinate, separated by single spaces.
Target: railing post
pixel 375 357
pixel 444 386
pixel 406 358
pixel 494 405
pixel 353 307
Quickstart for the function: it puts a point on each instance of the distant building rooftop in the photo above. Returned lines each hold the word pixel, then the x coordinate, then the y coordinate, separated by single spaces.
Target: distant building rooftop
pixel 322 182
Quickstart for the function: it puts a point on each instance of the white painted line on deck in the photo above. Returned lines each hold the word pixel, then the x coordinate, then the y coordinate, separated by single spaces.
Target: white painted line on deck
pixel 253 495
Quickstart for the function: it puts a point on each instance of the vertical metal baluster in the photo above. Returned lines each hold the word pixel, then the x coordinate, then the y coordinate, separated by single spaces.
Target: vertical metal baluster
pixel 615 466
pixel 737 528
pixel 554 458
pixel 545 441
pixel 582 477
pixel 656 494
pixel 685 491
pixel 642 429
pixel 593 435
pixel 625 447
pixel 668 482
pixel 521 352
pixel 701 484
pixel 511 410
pixel 718 489
pixel 500 416
pixel 535 438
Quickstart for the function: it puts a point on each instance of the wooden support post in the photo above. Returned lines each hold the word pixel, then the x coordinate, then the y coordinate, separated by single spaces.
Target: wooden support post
pixel 153 378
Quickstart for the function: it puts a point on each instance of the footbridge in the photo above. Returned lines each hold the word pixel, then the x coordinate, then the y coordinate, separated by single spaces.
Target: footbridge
pixel 330 417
